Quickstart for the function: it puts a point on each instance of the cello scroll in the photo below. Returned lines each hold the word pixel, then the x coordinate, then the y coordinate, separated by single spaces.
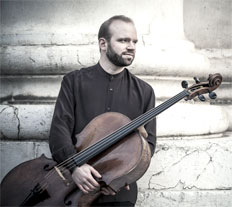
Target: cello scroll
pixel 200 88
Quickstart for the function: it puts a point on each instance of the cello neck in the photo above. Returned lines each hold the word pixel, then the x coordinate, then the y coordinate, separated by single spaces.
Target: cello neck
pixel 93 150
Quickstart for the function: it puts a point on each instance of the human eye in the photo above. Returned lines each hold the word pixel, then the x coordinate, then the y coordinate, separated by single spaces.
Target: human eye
pixel 124 40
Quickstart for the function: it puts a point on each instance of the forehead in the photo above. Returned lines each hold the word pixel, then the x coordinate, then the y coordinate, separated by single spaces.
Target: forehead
pixel 121 29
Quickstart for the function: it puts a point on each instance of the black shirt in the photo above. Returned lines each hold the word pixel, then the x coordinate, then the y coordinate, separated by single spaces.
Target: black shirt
pixel 89 92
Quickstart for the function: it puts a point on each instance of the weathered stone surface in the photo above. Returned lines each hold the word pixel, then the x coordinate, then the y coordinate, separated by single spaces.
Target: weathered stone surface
pixel 25 121
pixel 42 38
pixel 189 172
pixel 10 123
pixel 185 163
pixel 16 88
pixel 16 152
pixel 212 198
pixel 183 171
pixel 207 24
pixel 228 110
pixel 29 88
pixel 33 121
pixel 192 119
pixel 46 59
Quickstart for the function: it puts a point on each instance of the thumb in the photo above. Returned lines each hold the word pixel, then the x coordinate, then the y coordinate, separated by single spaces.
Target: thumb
pixel 95 173
pixel 143 131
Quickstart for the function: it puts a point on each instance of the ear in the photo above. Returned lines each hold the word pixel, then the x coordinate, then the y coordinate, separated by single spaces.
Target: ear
pixel 102 44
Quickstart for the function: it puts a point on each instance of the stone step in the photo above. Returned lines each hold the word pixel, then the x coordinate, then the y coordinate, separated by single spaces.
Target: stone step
pixel 33 121
pixel 171 60
pixel 41 88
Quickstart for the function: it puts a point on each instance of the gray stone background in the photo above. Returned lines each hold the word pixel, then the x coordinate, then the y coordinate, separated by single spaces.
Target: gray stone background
pixel 41 40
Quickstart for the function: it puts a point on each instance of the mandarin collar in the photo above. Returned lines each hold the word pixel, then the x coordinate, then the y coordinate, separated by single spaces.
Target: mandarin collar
pixel 108 75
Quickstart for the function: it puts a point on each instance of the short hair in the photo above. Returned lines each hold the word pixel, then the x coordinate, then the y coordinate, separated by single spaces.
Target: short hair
pixel 104 29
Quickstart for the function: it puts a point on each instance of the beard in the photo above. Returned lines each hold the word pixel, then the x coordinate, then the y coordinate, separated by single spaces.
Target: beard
pixel 117 59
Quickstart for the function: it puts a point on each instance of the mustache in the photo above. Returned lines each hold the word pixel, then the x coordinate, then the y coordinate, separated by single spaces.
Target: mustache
pixel 129 53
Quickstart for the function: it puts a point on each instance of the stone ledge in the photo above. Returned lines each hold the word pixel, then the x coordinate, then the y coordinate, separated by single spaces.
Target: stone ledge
pixel 54 59
pixel 151 198
pixel 183 119
pixel 25 121
pixel 46 87
pixel 14 153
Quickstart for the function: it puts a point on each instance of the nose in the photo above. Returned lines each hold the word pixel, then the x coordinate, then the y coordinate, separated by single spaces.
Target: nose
pixel 131 45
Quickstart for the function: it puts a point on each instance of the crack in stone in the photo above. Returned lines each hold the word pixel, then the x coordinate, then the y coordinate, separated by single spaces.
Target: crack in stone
pixel 78 60
pixel 3 136
pixel 3 109
pixel 32 60
pixel 220 147
pixel 168 167
pixel 181 159
pixel 167 197
pixel 16 113
pixel 210 160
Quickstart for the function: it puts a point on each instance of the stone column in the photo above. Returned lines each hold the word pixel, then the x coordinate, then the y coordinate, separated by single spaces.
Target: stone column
pixel 43 40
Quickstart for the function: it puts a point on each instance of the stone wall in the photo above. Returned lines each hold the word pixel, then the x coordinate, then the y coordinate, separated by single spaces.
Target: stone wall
pixel 43 40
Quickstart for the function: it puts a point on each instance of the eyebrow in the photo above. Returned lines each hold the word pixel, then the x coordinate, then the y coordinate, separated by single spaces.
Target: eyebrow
pixel 127 39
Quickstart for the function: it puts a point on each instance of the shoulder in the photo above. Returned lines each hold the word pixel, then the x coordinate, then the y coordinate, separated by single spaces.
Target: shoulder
pixel 144 85
pixel 78 74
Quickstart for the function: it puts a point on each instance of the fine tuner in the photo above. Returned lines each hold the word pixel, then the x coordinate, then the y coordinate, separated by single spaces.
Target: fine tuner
pixel 200 88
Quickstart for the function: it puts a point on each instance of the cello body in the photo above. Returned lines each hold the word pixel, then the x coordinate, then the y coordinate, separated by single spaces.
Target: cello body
pixel 121 164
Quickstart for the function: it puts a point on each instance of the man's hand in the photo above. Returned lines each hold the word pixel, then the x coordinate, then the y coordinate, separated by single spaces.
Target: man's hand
pixel 143 131
pixel 84 178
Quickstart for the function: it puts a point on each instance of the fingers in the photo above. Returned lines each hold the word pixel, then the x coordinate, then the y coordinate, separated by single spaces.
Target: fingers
pixel 107 191
pixel 143 131
pixel 83 177
pixel 95 173
pixel 127 187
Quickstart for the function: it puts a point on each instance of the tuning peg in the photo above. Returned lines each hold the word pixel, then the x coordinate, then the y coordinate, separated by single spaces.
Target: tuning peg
pixel 184 84
pixel 212 95
pixel 196 80
pixel 201 97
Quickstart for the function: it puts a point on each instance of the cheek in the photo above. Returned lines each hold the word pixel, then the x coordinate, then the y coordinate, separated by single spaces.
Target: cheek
pixel 118 47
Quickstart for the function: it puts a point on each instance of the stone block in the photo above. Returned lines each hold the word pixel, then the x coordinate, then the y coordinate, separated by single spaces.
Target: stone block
pixel 26 121
pixel 192 119
pixel 10 123
pixel 33 121
pixel 188 163
pixel 213 198
pixel 45 88
pixel 46 59
pixel 14 153
pixel 30 88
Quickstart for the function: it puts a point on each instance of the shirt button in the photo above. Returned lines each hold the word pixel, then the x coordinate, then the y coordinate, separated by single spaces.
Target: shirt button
pixel 111 78
pixel 111 89
pixel 108 108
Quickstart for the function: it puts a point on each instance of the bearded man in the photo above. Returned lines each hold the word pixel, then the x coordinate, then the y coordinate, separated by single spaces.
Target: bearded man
pixel 107 86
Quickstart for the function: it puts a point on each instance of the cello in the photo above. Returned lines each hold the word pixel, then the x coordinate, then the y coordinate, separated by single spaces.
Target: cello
pixel 43 182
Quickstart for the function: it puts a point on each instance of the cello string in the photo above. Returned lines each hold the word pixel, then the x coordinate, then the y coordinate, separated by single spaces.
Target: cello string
pixel 140 119
pixel 162 106
pixel 128 127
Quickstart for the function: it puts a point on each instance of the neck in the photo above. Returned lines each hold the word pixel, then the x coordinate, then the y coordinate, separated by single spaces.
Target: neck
pixel 109 67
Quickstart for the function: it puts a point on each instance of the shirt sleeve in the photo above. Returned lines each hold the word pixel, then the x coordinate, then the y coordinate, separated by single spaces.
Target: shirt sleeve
pixel 151 126
pixel 63 121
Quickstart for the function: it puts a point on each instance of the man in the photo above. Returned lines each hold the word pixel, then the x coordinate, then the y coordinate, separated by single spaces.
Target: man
pixel 107 86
